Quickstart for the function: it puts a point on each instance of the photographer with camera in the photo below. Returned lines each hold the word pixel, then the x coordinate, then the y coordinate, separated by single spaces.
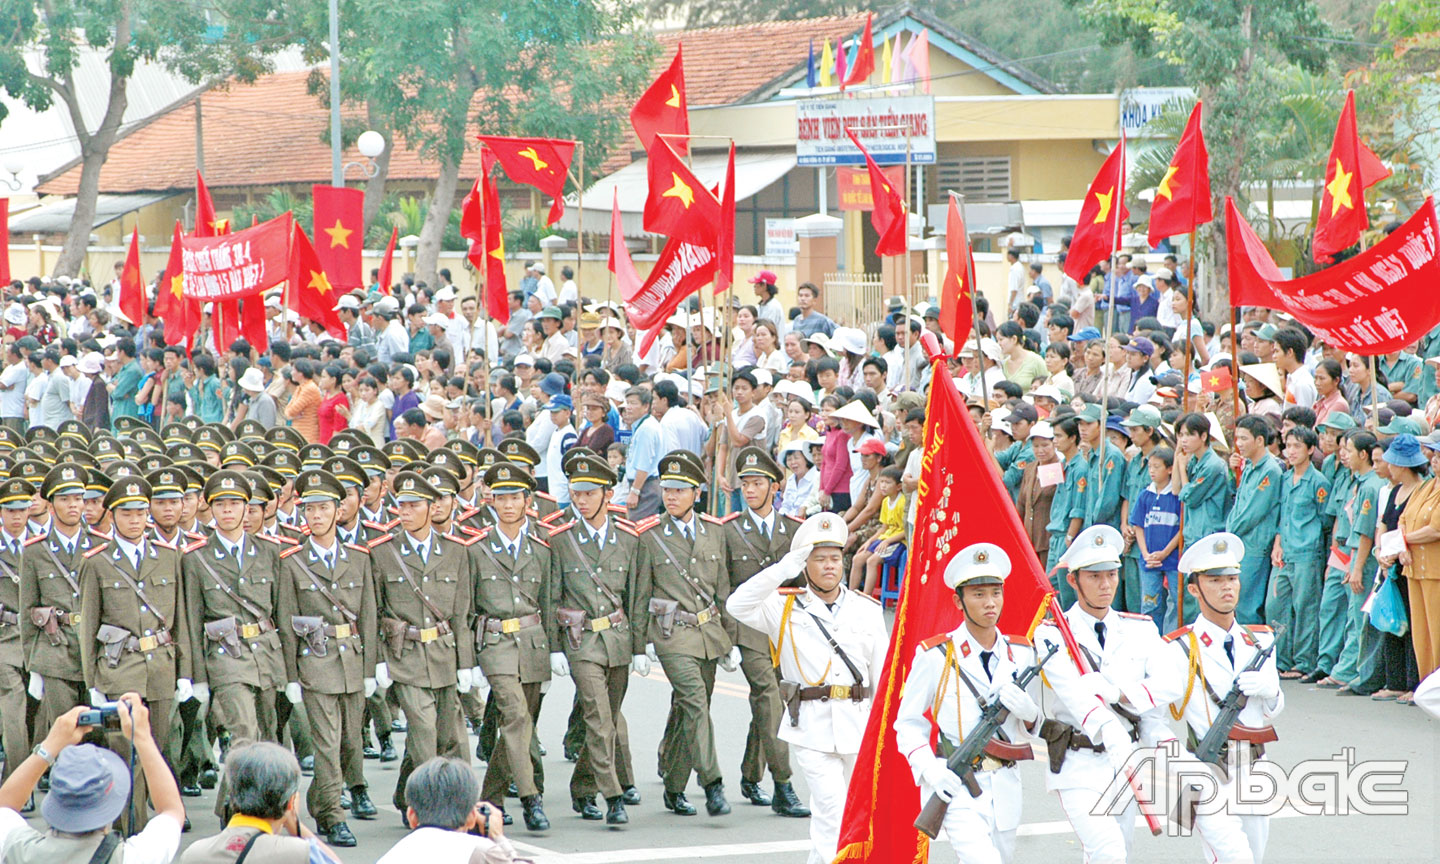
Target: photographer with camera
pixel 263 805
pixel 451 825
pixel 89 789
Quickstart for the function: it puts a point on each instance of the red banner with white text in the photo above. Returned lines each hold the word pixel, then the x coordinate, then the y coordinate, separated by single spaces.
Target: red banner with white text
pixel 237 265
pixel 1379 301
pixel 680 271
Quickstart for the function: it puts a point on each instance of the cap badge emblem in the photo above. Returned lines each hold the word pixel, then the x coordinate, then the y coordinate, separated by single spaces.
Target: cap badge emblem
pixel 1220 547
pixel 981 557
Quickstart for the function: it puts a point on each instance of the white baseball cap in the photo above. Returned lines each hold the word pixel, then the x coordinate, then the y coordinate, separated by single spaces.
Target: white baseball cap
pixel 446 293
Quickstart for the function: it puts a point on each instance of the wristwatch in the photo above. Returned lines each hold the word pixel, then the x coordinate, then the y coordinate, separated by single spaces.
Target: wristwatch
pixel 39 750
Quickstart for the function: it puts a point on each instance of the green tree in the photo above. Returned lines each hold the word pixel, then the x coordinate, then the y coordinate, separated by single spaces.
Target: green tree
pixel 43 42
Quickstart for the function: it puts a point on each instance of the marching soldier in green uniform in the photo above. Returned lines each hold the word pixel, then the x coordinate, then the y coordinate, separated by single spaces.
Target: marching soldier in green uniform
pixel 680 589
pixel 755 538
pixel 328 628
pixel 592 589
pixel 443 515
pixel 50 596
pixel 423 591
pixel 134 634
pixel 16 497
pixel 513 603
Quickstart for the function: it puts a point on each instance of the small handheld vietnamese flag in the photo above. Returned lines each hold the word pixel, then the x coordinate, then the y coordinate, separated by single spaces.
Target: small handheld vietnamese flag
pixel 1216 380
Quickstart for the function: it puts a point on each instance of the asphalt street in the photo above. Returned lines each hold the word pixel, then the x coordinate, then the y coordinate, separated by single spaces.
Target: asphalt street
pixel 1316 725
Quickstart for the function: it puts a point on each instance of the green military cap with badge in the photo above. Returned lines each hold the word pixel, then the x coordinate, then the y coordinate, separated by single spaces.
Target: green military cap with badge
pixel 398 453
pixel 467 452
pixel 226 483
pixel 681 469
pixel 10 439
pixel 346 470
pixel 123 468
pixel 105 448
pixel 587 472
pixel 286 437
pixel 149 440
pixel 238 454
pixel 67 478
pixel 489 456
pixel 154 462
pixel 411 486
pixel 314 455
pixel 284 461
pixel 249 430
pixel 30 470
pixel 316 486
pixel 75 430
pixel 443 479
pixel 206 438
pixel 128 493
pixel 447 459
pixel 372 459
pixel 346 440
pixel 262 490
pixel 507 477
pixel 519 451
pixel 755 462
pixel 46 451
pixel 185 452
pixel 128 423
pixel 178 433
pixel 16 494
pixel 166 483
pixel 97 483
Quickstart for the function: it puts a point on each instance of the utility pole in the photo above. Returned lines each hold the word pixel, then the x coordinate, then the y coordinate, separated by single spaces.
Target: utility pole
pixel 337 173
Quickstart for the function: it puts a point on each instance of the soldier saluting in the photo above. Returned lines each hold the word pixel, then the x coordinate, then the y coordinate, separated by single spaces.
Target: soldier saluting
pixel 512 603
pixel 680 589
pixel 593 588
pixel 134 635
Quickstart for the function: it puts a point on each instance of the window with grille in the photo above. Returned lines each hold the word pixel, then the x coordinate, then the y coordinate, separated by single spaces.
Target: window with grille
pixel 978 178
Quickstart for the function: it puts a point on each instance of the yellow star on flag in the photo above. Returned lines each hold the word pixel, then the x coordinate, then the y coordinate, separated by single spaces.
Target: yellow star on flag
pixel 1339 189
pixel 177 284
pixel 1164 189
pixel 1214 380
pixel 529 153
pixel 220 226
pixel 674 100
pixel 1104 205
pixel 132 274
pixel 339 234
pixel 680 190
pixel 498 253
pixel 319 282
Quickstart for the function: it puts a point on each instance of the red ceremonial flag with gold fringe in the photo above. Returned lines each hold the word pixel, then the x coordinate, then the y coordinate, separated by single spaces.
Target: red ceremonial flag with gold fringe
pixel 339 229
pixel 962 501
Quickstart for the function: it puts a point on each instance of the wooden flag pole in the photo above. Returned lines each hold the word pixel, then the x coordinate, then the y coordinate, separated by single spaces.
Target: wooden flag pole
pixel 579 234
pixel 1110 316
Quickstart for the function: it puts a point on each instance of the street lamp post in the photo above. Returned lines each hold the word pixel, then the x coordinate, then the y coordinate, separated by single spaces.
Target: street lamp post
pixel 337 170
pixel 13 167
pixel 370 144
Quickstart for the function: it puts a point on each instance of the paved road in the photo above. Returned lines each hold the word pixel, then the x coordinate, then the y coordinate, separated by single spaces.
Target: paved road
pixel 1315 725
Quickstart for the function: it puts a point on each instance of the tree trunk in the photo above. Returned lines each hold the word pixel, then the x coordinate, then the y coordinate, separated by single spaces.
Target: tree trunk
pixel 375 186
pixel 427 253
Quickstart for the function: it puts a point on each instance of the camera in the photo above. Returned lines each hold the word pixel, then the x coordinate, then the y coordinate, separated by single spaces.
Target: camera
pixel 106 716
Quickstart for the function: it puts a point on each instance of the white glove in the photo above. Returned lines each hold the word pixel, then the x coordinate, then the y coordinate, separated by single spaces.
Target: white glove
pixel 370 687
pixel 1018 701
pixel 202 692
pixel 292 692
pixel 1117 744
pixel 478 679
pixel 640 665
pixel 37 686
pixel 184 690
pixel 1258 685
pixel 730 662
pixel 559 664
pixel 382 676
pixel 464 680
pixel 795 559
pixel 1101 686
pixel 650 652
pixel 942 781
pixel 96 697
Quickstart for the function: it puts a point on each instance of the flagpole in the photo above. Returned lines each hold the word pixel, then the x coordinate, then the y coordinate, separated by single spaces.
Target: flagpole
pixel 1110 316
pixel 1190 268
pixel 579 257
pixel 974 314
pixel 909 282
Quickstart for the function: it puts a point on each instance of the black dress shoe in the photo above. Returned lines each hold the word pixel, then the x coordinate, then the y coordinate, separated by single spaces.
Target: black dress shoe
pixel 307 765
pixel 507 819
pixel 754 793
pixel 615 811
pixel 675 801
pixel 338 835
pixel 387 750
pixel 631 796
pixel 587 809
pixel 787 803
pixel 344 799
pixel 1312 677
pixel 534 814
pixel 191 790
pixel 209 778
pixel 715 803
pixel 183 828
pixel 361 807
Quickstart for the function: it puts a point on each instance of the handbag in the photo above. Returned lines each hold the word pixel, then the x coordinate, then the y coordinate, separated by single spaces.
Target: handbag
pixel 1387 609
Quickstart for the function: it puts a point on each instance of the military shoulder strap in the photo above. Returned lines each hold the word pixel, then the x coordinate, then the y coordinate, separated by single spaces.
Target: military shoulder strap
pixel 320 586
pixel 140 592
pixel 590 571
pixel 250 608
pixel 835 646
pixel 410 581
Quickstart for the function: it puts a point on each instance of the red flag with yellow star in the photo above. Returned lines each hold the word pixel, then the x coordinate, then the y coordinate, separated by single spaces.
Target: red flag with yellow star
pixel 957 292
pixel 1182 200
pixel 207 224
pixel 1351 169
pixel 387 263
pixel 311 294
pixel 180 313
pixel 340 234
pixel 661 110
pixel 1216 380
pixel 132 285
pixel 497 302
pixel 888 215
pixel 540 162
pixel 1098 231
pixel 679 205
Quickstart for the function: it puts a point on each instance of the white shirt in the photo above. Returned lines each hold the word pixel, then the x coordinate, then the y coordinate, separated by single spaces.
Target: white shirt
pixel 682 429
pixel 34 392
pixel 12 401
pixel 439 846
pixel 538 435
pixel 132 551
pixel 421 547
pixel 546 289
pixel 393 340
pixel 806 658
pixel 157 843
pixel 569 292
pixel 560 440
pixel 800 494
pixel 1300 388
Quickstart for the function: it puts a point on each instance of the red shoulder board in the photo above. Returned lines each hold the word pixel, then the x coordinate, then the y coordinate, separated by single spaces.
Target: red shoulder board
pixel 484 532
pixel 378 526
pixel 793 518
pixel 164 545
pixel 288 552
pixel 392 524
pixel 1254 628
pixel 1021 640
pixel 97 550
pixel 712 519
pixel 358 547
pixel 787 592
pixel 627 527
pixel 101 534
pixel 381 539
pixel 1135 616
pixel 467 514
pixel 394 511
pixel 935 641
pixel 532 512
pixel 556 529
pixel 37 538
pixel 618 509
pixel 466 529
pixel 198 544
pixel 267 538
pixel 466 539
pixel 1171 637
pixel 281 538
pixel 538 539
pixel 732 517
pixel 646 524
pixel 195 535
pixel 552 518
pixel 547 497
pixel 623 521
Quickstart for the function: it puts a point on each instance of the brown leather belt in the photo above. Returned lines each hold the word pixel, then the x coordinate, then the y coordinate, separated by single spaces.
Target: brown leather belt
pixel 855 693
pixel 69 619
pixel 9 617
pixel 511 625
pixel 244 631
pixel 424 635
pixel 342 631
pixel 701 618
pixel 136 644
pixel 614 619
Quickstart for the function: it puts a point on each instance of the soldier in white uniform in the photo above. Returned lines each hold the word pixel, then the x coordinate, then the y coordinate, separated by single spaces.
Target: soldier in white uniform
pixel 1200 664
pixel 951 674
pixel 1096 716
pixel 829 643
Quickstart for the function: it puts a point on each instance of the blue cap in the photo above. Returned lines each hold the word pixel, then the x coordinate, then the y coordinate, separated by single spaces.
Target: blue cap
pixel 1404 452
pixel 1114 423
pixel 558 402
pixel 89 788
pixel 552 384
pixel 1085 334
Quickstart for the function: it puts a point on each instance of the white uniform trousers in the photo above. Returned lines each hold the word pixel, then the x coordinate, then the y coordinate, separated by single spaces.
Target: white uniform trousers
pixel 827 776
pixel 970 827
pixel 1257 831
pixel 1104 837
pixel 1222 833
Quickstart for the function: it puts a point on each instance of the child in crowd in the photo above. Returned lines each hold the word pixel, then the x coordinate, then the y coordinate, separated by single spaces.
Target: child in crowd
pixel 886 544
pixel 615 455
pixel 1157 514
